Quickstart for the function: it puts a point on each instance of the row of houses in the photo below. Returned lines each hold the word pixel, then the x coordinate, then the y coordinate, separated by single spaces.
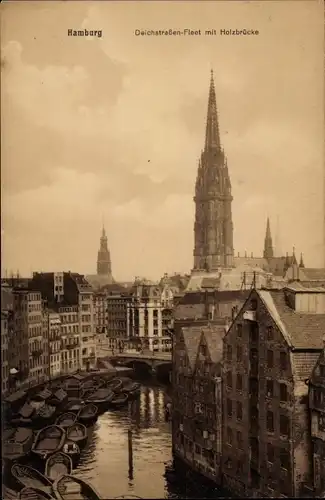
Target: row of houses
pixel 49 327
pixel 249 389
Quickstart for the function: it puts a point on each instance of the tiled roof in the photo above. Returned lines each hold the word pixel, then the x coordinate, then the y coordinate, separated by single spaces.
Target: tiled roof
pixel 301 330
pixel 297 286
pixel 189 311
pixel 314 274
pixel 210 283
pixel 192 336
pixel 214 339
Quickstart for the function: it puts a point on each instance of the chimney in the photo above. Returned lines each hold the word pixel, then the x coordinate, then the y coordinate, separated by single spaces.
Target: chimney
pixel 252 255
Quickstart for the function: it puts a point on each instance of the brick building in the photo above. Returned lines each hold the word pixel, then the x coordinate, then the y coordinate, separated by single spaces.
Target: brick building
pixel 317 419
pixel 197 418
pixel 269 352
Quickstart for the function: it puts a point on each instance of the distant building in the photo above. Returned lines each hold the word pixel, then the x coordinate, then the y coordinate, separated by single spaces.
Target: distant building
pixel 149 316
pixel 54 322
pixel 70 295
pixel 197 398
pixel 104 265
pixel 317 418
pixel 270 350
pixel 4 353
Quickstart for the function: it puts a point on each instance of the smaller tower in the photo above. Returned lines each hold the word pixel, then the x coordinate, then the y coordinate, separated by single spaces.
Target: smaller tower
pixel 301 264
pixel 268 246
pixel 104 266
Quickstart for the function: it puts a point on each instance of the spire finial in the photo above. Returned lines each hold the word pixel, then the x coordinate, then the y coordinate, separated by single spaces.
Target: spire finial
pixel 301 261
pixel 268 245
pixel 212 136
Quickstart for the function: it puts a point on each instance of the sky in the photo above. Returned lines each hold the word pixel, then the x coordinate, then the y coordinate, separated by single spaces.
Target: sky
pixel 111 129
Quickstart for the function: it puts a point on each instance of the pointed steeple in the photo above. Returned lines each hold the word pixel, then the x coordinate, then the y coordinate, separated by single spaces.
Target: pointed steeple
pixel 212 135
pixel 301 264
pixel 268 246
pixel 294 260
pixel 103 256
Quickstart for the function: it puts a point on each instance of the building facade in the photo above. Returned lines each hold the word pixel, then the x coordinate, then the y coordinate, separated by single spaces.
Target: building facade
pixel 269 352
pixel 197 398
pixel 54 323
pixel 4 352
pixel 148 312
pixel 213 227
pixel 317 419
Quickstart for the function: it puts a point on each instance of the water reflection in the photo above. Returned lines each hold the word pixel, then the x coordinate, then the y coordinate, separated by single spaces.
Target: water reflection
pixel 105 460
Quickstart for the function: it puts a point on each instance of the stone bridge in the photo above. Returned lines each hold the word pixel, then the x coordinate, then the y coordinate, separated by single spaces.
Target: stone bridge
pixel 153 360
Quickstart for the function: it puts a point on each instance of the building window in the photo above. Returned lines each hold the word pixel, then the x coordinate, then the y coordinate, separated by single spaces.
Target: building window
pixel 239 330
pixel 284 426
pixel 270 421
pixel 239 410
pixel 239 353
pixel 229 352
pixel 284 459
pixel 270 453
pixel 321 423
pixel 269 332
pixel 283 360
pixel 253 333
pixel 270 358
pixel 239 382
pixel 229 379
pixel 239 440
pixel 203 350
pixel 283 392
pixel 269 388
pixel 229 407
pixel 229 436
pixel 197 449
pixel 253 305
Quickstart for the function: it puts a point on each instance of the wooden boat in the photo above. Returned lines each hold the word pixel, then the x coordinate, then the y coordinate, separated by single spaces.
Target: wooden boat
pixel 34 494
pixel 66 419
pixel 48 441
pixel 115 385
pixel 101 398
pixel 92 384
pixel 119 399
pixel 59 398
pixel 29 477
pixel 44 415
pixel 88 414
pixel 130 387
pixel 24 416
pixel 43 395
pixel 17 443
pixel 72 450
pixel 74 488
pixel 77 433
pixel 57 465
pixel 16 399
pixel 74 406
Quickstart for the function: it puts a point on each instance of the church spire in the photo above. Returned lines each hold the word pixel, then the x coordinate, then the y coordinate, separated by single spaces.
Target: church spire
pixel 301 264
pixel 104 266
pixel 268 246
pixel 212 135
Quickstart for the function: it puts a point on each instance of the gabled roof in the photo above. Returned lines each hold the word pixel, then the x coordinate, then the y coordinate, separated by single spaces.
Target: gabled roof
pixel 301 330
pixel 192 337
pixel 214 338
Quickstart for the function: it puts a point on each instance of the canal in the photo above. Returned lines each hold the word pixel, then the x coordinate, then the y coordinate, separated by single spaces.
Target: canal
pixel 105 460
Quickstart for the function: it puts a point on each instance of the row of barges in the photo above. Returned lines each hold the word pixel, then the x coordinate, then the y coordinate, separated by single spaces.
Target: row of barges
pixel 49 427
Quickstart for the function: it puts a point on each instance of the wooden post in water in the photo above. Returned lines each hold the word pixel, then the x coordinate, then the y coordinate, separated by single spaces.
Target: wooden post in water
pixel 130 443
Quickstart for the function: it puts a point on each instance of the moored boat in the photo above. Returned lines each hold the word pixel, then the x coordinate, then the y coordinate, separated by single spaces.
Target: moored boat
pixel 57 465
pixel 43 395
pixel 59 398
pixel 17 443
pixel 72 450
pixel 88 414
pixel 74 488
pixel 101 398
pixel 29 477
pixel 66 419
pixel 119 400
pixel 75 405
pixel 44 415
pixel 24 416
pixel 48 441
pixel 130 387
pixel 29 493
pixel 77 433
pixel 115 385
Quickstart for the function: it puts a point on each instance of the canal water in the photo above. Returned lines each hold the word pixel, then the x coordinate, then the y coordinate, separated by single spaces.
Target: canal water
pixel 105 460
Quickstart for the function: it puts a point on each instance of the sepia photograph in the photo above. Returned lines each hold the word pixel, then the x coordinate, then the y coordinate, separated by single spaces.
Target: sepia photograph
pixel 162 249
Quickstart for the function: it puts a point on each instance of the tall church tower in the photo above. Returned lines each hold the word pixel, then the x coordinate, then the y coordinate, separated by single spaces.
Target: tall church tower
pixel 268 245
pixel 104 266
pixel 213 227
